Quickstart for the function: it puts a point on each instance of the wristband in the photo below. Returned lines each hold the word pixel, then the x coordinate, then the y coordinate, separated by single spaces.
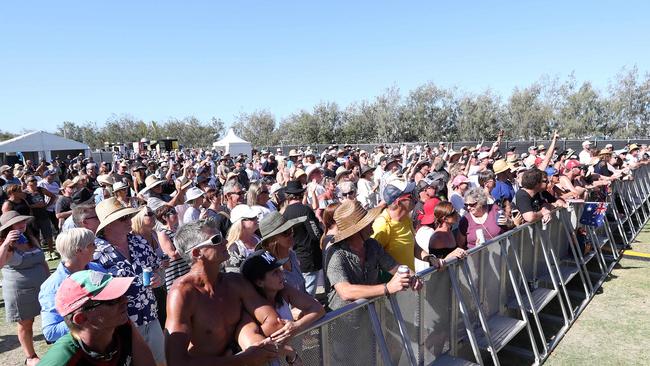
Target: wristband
pixel 292 360
pixel 386 290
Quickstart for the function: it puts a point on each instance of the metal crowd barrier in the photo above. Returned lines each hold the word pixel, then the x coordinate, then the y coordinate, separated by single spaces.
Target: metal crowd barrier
pixel 510 301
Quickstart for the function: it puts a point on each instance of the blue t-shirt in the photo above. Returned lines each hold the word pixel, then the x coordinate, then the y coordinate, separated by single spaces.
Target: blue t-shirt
pixel 503 190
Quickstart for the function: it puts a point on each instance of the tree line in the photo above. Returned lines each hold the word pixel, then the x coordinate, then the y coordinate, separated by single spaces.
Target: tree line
pixel 426 113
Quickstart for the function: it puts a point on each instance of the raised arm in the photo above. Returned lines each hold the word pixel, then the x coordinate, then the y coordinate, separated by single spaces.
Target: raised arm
pixel 549 152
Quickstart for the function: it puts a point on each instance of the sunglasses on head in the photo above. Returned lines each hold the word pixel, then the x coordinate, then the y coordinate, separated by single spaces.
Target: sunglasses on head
pixel 214 240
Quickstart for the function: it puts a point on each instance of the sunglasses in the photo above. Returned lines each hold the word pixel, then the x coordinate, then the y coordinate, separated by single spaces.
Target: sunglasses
pixel 93 304
pixel 350 194
pixel 149 213
pixel 473 204
pixel 250 219
pixel 287 233
pixel 214 240
pixel 235 193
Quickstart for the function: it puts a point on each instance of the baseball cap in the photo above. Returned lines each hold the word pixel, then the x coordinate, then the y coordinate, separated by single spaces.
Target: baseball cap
pixel 573 163
pixel 586 143
pixel 83 196
pixel 458 180
pixel 87 285
pixel 397 187
pixel 550 171
pixel 483 155
pixel 259 263
pixel 241 212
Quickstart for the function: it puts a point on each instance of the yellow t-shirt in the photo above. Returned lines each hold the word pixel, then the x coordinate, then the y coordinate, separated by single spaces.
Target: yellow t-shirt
pixel 396 237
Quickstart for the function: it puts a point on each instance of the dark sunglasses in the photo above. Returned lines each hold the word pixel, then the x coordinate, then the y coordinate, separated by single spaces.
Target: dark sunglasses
pixel 149 213
pixel 287 233
pixel 471 204
pixel 93 304
pixel 350 194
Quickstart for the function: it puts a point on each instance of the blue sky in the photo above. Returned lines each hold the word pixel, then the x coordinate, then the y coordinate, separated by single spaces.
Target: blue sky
pixel 86 60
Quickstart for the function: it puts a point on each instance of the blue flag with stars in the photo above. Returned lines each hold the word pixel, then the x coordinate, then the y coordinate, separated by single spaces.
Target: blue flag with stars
pixel 593 214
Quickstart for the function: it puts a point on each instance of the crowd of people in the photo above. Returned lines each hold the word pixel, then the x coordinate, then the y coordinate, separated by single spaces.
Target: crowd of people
pixel 154 245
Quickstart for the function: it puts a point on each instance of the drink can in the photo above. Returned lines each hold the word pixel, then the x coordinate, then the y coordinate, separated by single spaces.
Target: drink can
pixel 480 237
pixel 146 276
pixel 499 216
pixel 403 269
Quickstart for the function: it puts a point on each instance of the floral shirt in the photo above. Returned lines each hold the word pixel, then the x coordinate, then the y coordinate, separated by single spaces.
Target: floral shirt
pixel 142 305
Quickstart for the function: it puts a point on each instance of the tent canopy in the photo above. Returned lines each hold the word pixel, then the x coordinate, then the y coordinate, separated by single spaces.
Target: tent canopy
pixel 42 142
pixel 233 144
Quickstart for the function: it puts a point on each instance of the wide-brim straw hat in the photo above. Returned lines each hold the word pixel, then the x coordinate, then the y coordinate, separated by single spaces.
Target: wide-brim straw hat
pixel 12 217
pixel 106 180
pixel 110 210
pixel 340 172
pixel 351 217
pixel 500 166
pixel 150 182
pixel 274 224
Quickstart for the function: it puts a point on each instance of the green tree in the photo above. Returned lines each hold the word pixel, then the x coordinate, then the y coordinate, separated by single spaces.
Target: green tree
pixel 257 127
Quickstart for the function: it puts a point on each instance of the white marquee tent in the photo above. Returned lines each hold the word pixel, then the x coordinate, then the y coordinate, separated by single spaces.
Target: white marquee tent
pixel 233 144
pixel 43 143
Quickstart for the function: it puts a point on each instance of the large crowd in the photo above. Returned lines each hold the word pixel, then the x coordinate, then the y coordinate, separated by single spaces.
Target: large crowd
pixel 196 256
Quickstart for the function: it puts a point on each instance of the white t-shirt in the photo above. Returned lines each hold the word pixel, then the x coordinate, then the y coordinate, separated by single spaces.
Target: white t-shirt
pixel 585 157
pixel 191 214
pixel 458 202
pixel 422 238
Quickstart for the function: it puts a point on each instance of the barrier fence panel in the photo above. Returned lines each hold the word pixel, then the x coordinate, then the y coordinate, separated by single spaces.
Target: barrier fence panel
pixel 512 298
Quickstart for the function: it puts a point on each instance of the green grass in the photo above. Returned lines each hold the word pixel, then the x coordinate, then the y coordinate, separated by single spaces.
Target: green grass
pixel 614 328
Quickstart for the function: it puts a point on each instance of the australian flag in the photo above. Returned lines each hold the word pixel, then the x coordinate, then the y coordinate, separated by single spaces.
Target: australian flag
pixel 593 214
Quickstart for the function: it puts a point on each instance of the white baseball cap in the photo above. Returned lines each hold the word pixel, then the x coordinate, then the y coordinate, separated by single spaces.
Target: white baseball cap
pixel 241 212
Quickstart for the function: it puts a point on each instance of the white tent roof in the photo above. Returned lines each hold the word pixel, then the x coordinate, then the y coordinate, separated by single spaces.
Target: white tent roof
pixel 40 141
pixel 230 139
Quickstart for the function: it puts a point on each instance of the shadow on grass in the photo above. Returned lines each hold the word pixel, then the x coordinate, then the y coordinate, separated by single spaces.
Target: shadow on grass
pixel 10 342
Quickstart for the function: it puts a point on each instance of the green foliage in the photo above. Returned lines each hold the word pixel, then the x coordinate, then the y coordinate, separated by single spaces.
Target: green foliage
pixel 426 113
pixel 125 129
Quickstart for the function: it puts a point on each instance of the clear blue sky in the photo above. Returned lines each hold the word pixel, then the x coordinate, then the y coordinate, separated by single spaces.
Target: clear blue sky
pixel 86 60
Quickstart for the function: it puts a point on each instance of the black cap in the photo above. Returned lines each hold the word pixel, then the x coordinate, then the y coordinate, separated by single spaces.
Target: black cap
pixel 83 196
pixel 259 263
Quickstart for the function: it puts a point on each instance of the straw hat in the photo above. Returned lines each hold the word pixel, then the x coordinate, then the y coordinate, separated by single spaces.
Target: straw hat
pixel 298 173
pixel 340 172
pixel 351 217
pixel 12 217
pixel 106 180
pixel 274 224
pixel 500 166
pixel 119 185
pixel 150 182
pixel 110 210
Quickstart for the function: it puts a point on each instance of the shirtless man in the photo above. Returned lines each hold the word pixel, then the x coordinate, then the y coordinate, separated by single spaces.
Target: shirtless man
pixel 208 311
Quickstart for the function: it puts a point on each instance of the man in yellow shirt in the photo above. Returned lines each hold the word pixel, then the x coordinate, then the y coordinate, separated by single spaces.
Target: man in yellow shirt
pixel 393 228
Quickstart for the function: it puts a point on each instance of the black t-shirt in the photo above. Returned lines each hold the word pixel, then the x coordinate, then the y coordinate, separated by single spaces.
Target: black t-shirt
pixel 329 173
pixel 602 169
pixel 63 204
pixel 306 237
pixel 270 166
pixel 526 203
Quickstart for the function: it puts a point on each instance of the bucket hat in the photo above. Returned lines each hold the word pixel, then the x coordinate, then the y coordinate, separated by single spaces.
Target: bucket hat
pixel 351 217
pixel 110 210
pixel 193 193
pixel 12 217
pixel 274 223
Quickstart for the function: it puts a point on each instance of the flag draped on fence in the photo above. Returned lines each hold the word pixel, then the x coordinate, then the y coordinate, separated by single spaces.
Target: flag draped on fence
pixel 593 214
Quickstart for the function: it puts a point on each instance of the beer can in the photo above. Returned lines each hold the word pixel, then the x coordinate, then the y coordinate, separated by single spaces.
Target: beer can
pixel 146 276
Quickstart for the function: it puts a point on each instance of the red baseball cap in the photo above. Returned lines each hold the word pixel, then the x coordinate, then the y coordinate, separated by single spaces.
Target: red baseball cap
pixel 573 163
pixel 84 286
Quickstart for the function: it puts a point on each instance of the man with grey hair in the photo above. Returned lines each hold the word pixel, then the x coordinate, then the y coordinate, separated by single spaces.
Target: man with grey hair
pixel 83 212
pixel 193 332
pixel 76 247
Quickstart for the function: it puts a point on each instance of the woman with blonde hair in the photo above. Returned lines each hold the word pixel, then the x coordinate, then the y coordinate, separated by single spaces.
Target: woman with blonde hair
pixel 242 240
pixel 257 197
pixel 330 226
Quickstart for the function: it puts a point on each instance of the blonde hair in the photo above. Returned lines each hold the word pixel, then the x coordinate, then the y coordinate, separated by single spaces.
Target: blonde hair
pixel 253 192
pixel 137 222
pixel 69 242
pixel 234 233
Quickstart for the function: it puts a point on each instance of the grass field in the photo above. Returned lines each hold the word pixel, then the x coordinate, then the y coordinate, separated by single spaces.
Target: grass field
pixel 614 328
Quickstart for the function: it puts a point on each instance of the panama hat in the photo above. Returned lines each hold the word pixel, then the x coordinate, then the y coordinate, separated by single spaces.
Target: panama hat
pixel 298 173
pixel 312 168
pixel 274 224
pixel 500 166
pixel 340 172
pixel 110 210
pixel 351 217
pixel 105 179
pixel 12 217
pixel 150 182
pixel 119 185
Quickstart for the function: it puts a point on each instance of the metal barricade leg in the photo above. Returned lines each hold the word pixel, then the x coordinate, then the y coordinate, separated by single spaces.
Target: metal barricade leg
pixel 464 312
